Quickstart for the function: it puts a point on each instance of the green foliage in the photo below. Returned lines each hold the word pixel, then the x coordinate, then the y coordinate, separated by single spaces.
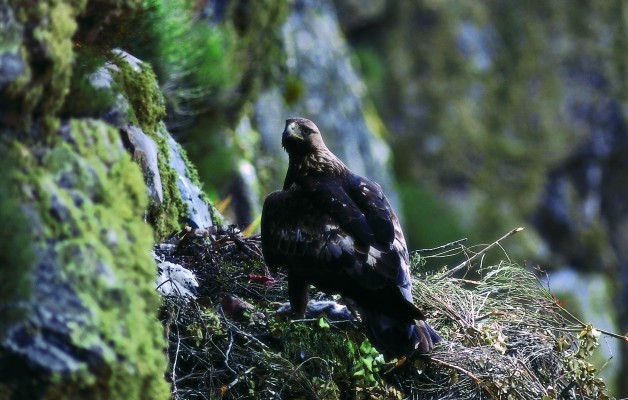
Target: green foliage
pixel 368 364
pixel 318 342
pixel 192 56
pixel 212 67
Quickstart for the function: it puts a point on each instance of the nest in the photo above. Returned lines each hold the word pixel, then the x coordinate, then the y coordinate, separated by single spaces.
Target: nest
pixel 504 335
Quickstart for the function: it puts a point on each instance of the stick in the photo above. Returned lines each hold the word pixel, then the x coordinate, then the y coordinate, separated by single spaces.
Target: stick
pixel 443 247
pixel 605 332
pixel 477 380
pixel 174 365
pixel 457 368
pixel 467 263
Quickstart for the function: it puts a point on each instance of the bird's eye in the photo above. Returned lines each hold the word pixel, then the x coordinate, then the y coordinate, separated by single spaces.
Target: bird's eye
pixel 306 131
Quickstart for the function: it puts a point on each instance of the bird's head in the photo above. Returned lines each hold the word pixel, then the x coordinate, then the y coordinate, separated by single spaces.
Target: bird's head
pixel 301 136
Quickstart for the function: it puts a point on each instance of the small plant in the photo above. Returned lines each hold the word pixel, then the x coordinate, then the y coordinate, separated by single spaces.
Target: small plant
pixel 368 363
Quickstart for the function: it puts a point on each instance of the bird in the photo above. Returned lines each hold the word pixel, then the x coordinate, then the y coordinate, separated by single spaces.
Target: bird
pixel 336 230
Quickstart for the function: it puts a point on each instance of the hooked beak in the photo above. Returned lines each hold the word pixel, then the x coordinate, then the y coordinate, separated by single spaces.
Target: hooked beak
pixel 291 133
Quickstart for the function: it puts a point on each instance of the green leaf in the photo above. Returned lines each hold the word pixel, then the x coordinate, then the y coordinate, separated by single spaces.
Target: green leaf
pixel 368 363
pixel 365 347
pixel 359 372
pixel 351 348
pixel 323 323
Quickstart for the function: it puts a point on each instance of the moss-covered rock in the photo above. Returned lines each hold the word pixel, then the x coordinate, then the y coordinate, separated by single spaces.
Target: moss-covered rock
pixel 37 53
pixel 146 110
pixel 77 315
pixel 87 326
pixel 124 91
pixel 44 50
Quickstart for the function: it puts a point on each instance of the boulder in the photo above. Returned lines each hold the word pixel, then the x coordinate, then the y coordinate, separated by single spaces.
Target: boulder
pixel 83 323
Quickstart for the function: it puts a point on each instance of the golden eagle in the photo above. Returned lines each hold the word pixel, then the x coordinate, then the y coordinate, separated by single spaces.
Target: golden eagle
pixel 336 230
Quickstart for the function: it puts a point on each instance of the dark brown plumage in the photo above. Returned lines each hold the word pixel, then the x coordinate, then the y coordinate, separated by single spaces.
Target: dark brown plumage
pixel 336 230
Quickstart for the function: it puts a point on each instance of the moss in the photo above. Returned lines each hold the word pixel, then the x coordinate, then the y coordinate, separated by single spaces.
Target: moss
pixel 319 340
pixel 89 195
pixel 85 100
pixel 49 32
pixel 16 255
pixel 293 89
pixel 139 86
pixel 166 216
pixel 141 89
pixel 47 49
pixel 5 392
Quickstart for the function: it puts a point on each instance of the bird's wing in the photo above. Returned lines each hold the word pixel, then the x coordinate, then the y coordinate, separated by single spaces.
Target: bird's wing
pixel 293 229
pixel 278 235
pixel 320 233
pixel 382 220
pixel 370 199
pixel 364 215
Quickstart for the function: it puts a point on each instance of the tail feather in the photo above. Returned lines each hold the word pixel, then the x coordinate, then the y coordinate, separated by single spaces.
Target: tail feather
pixel 395 338
pixel 425 337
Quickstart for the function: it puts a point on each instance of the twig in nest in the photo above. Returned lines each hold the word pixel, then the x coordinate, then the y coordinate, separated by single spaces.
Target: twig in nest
pixel 224 389
pixel 233 328
pixel 482 252
pixel 174 365
pixel 443 247
pixel 576 319
pixel 229 351
pixel 457 368
pixel 605 332
pixel 477 380
pixel 297 370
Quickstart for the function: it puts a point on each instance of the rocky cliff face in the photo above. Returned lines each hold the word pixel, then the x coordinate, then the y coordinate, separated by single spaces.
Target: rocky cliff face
pixel 91 177
pixel 95 176
pixel 82 322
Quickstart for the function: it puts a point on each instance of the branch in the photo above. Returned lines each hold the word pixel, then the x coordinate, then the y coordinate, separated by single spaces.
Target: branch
pixel 583 325
pixel 443 247
pixel 485 250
